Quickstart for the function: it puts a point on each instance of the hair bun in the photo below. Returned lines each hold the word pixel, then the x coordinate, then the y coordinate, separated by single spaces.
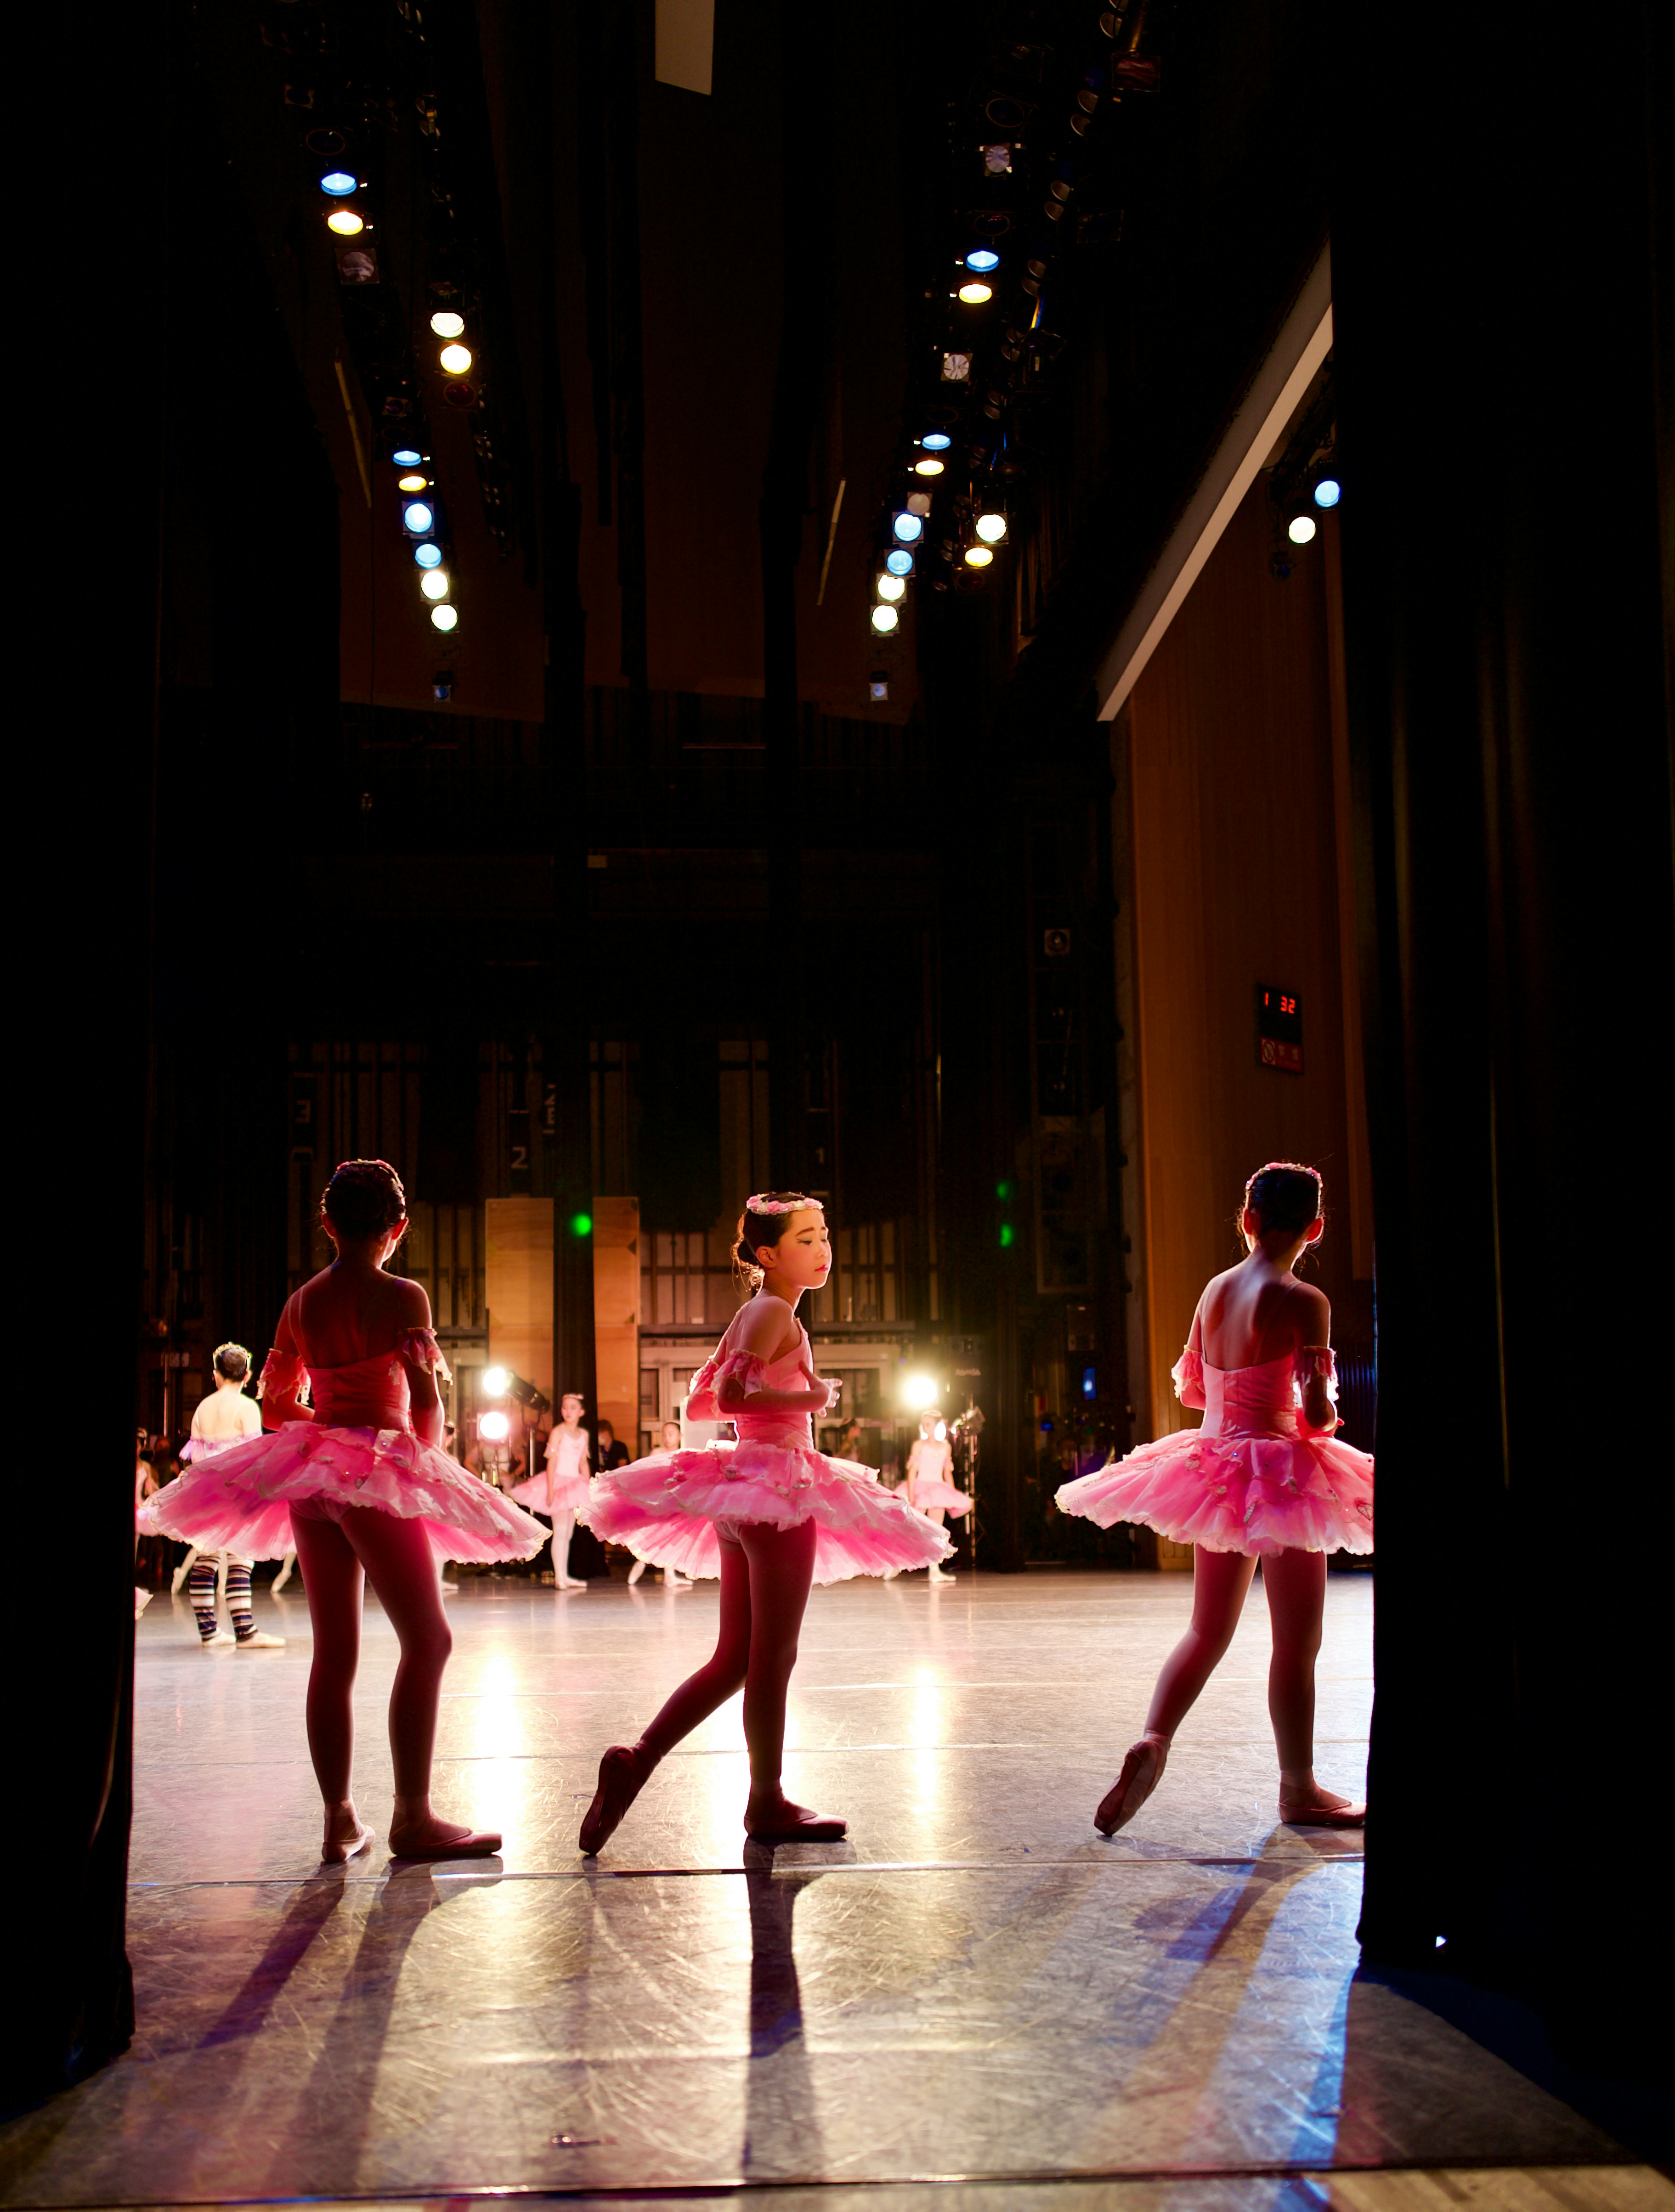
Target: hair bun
pixel 1285 1196
pixel 231 1362
pixel 362 1197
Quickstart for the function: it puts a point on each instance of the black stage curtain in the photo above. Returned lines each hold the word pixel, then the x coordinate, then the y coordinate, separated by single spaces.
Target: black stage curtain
pixel 680 1131
pixel 1499 319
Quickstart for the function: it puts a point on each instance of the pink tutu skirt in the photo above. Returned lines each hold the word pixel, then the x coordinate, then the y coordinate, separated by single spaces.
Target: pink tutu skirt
pixel 1236 1492
pixel 559 1493
pixel 669 1507
pixel 928 1496
pixel 241 1499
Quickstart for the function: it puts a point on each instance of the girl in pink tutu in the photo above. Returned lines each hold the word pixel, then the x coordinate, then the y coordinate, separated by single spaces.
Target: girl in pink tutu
pixel 769 1514
pixel 1263 1478
pixel 560 1490
pixel 357 1480
pixel 930 1490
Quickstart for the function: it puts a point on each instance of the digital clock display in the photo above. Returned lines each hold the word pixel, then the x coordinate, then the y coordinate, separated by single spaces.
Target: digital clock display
pixel 1279 1029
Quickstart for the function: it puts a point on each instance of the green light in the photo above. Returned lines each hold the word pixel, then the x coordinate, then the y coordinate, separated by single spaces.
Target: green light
pixel 581 1224
pixel 1002 1190
pixel 1006 1235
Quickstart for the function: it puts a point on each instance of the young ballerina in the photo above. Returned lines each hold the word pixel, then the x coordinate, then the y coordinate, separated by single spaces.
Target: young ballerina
pixel 357 1481
pixel 1263 1478
pixel 560 1490
pixel 672 1578
pixel 929 1492
pixel 224 1419
pixel 770 1514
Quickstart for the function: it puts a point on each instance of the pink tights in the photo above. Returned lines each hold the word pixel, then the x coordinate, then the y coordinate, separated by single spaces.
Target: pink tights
pixel 394 1556
pixel 1294 1583
pixel 765 1578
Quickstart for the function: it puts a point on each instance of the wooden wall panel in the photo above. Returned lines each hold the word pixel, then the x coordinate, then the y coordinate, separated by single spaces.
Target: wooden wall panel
pixel 1233 837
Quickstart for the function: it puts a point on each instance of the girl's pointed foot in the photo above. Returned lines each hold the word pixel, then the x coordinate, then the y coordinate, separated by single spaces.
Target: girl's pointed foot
pixel 778 1820
pixel 1143 1769
pixel 345 1835
pixel 622 1773
pixel 1305 1804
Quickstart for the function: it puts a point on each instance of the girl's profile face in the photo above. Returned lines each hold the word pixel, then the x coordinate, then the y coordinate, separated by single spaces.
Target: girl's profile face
pixel 801 1260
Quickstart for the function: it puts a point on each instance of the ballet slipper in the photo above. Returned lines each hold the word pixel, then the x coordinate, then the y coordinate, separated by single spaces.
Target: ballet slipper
pixel 1312 1806
pixel 261 1642
pixel 474 1843
pixel 786 1823
pixel 571 1582
pixel 141 1599
pixel 354 1836
pixel 220 1641
pixel 940 1573
pixel 1143 1769
pixel 622 1773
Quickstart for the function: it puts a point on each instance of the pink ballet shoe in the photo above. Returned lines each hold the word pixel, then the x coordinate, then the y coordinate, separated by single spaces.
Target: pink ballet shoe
pixel 336 1849
pixel 478 1844
pixel 622 1773
pixel 1143 1770
pixel 1320 1809
pixel 786 1823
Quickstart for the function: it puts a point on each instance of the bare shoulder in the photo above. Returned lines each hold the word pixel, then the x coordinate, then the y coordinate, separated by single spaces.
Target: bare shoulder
pixel 284 1336
pixel 1310 1311
pixel 762 1326
pixel 411 1302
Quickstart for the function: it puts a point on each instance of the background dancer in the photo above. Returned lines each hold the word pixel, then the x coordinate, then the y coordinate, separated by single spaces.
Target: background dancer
pixel 672 1578
pixel 1263 1478
pixel 225 1418
pixel 930 1490
pixel 560 1490
pixel 359 1479
pixel 770 1514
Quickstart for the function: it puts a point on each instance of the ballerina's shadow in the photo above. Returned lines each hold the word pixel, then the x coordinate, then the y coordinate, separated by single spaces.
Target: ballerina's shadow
pixel 783 2134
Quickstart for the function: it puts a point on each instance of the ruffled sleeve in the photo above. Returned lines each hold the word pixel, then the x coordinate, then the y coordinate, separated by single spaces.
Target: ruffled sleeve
pixel 701 1394
pixel 419 1348
pixel 1312 1360
pixel 743 1367
pixel 1188 1374
pixel 283 1376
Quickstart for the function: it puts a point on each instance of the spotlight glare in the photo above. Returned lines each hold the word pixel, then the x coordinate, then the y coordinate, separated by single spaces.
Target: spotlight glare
pixel 418 517
pixel 928 468
pixel 885 619
pixel 898 561
pixel 447 324
pixel 975 293
pixel 337 182
pixel 434 583
pixel 445 617
pixel 1328 492
pixel 891 587
pixel 936 441
pixel 918 1391
pixel 908 528
pixel 455 359
pixel 982 259
pixel 1301 529
pixel 991 528
pixel 406 457
pixel 494 1381
pixel 978 556
pixel 412 484
pixel 345 222
pixel 427 556
pixel 495 1427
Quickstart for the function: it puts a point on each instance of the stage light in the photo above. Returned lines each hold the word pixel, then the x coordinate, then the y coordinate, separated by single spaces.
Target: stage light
pixel 447 324
pixel 891 587
pixel 445 617
pixel 997 161
pixel 898 561
pixel 406 457
pixel 493 1380
pixel 417 517
pixel 1301 529
pixel 928 468
pixel 978 556
pixel 918 502
pixel 434 584
pixel 338 183
pixel 885 619
pixel 991 528
pixel 345 222
pixel 956 369
pixel 455 359
pixel 427 556
pixel 877 690
pixel 975 293
pixel 412 484
pixel 982 259
pixel 918 1391
pixel 495 1427
pixel 908 528
pixel 936 441
pixel 581 1224
pixel 1328 492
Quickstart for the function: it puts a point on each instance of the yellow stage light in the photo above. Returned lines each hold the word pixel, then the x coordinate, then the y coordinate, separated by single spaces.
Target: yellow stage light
pixel 974 294
pixel 455 359
pixel 345 222
pixel 978 556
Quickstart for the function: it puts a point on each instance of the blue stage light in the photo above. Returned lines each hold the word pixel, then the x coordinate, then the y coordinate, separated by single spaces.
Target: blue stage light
pixel 983 258
pixel 427 556
pixel 406 457
pixel 338 183
pixel 899 561
pixel 417 517
pixel 1328 492
pixel 907 527
pixel 936 441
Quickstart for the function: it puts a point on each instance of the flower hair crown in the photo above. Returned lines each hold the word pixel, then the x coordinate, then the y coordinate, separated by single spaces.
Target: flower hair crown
pixel 782 1205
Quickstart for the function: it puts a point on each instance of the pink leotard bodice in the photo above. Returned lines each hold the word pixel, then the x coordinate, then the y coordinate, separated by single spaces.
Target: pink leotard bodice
pixel 1256 1401
pixel 782 1374
pixel 362 1394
